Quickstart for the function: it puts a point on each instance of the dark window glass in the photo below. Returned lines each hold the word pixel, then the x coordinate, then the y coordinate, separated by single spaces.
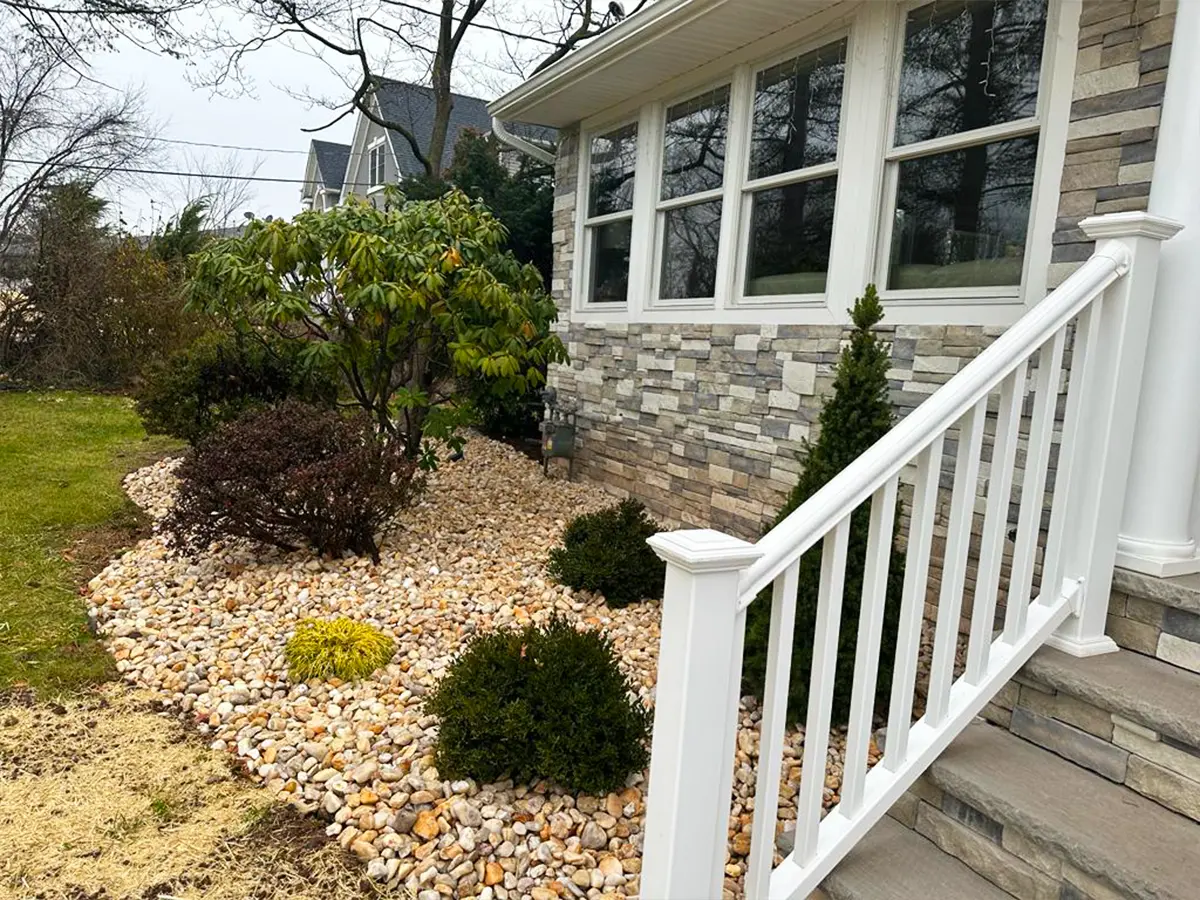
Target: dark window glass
pixel 969 64
pixel 797 106
pixel 961 217
pixel 614 156
pixel 692 236
pixel 791 228
pixel 694 144
pixel 610 261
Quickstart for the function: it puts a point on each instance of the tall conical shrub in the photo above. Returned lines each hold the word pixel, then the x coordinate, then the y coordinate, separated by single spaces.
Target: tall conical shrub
pixel 854 417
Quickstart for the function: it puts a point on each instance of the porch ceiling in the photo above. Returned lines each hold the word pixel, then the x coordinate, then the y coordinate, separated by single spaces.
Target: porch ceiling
pixel 666 40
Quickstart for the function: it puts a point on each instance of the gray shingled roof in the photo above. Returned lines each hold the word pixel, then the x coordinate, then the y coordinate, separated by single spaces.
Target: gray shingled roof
pixel 331 162
pixel 412 105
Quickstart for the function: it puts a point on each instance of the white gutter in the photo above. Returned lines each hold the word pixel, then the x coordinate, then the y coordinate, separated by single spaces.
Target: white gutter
pixel 520 144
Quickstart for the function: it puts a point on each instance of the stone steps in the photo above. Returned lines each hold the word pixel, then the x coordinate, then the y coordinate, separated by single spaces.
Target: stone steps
pixel 1129 718
pixel 895 863
pixel 1158 617
pixel 1042 828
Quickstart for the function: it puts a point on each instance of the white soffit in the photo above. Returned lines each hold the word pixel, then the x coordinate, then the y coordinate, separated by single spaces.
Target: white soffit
pixel 665 41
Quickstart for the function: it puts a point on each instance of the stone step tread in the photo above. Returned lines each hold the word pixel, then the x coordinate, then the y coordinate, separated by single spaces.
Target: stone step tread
pixel 1181 592
pixel 1148 691
pixel 1105 830
pixel 894 863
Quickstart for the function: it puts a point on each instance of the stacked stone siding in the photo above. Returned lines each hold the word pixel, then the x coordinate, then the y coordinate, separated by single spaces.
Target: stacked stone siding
pixel 1120 74
pixel 703 422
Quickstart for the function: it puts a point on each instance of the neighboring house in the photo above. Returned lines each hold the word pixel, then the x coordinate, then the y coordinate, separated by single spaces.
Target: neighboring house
pixel 378 157
pixel 730 175
pixel 324 174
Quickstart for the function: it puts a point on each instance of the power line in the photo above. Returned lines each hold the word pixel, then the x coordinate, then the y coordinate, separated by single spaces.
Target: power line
pixel 226 146
pixel 131 170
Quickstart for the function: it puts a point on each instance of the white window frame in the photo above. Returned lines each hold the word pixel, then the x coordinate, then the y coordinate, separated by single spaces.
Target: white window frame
pixel 747 187
pixel 1030 126
pixel 662 207
pixel 870 94
pixel 376 149
pixel 582 271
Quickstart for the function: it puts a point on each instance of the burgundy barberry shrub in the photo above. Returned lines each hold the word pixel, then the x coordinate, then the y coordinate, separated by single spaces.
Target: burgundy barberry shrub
pixel 291 475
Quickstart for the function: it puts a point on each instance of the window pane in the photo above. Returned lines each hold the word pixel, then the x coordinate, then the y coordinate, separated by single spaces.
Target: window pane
pixel 690 241
pixel 791 228
pixel 610 261
pixel 969 64
pixel 797 105
pixel 961 216
pixel 694 145
pixel 613 158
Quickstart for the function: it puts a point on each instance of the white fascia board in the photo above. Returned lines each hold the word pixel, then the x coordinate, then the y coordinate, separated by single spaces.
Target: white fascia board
pixel 610 48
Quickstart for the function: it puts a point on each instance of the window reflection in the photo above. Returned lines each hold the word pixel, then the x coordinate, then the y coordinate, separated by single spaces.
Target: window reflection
pixel 797 108
pixel 969 64
pixel 613 156
pixel 961 217
pixel 610 261
pixel 691 236
pixel 694 144
pixel 791 229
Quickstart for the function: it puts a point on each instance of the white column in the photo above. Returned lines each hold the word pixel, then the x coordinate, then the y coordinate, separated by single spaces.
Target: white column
pixel 1157 533
pixel 695 714
pixel 1102 409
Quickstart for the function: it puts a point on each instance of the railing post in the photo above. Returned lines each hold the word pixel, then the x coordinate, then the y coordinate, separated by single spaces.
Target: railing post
pixel 1098 459
pixel 695 714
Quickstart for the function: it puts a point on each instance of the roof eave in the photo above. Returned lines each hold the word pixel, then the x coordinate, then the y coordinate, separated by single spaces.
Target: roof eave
pixel 652 22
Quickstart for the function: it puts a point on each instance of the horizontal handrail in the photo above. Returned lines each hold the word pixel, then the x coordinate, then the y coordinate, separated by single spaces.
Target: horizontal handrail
pixel 847 490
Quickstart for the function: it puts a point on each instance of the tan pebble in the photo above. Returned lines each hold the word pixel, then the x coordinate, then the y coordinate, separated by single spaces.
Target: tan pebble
pixel 426 825
pixel 493 874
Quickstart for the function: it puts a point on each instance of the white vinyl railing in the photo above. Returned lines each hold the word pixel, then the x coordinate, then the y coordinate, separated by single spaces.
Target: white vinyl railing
pixel 1104 308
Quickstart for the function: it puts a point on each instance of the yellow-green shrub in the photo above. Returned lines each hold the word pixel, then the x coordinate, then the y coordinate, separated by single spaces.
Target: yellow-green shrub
pixel 341 648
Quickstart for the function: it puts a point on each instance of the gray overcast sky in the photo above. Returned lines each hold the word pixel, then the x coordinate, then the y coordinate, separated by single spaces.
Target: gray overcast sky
pixel 267 117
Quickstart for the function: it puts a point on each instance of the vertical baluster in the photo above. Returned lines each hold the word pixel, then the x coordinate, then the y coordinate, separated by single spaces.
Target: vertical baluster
pixel 866 653
pixel 912 607
pixel 820 691
pixel 774 724
pixel 954 565
pixel 1033 485
pixel 995 524
pixel 1083 363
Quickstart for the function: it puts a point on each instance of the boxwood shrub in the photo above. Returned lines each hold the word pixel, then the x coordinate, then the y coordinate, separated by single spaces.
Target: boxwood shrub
pixel 606 552
pixel 540 702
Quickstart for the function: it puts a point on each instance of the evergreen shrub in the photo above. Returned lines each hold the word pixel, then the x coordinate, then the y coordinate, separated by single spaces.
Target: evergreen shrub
pixel 219 377
pixel 854 417
pixel 606 552
pixel 540 702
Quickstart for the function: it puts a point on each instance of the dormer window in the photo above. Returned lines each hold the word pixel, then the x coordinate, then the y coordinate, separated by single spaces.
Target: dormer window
pixel 375 165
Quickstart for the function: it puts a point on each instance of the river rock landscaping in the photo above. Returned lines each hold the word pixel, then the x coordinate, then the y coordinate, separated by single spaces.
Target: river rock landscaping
pixel 206 635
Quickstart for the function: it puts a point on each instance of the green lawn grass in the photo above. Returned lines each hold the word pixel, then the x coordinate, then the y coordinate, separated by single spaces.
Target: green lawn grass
pixel 62 511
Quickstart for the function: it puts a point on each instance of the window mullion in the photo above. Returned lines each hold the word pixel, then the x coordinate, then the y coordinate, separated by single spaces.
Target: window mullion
pixel 737 154
pixel 989 135
pixel 645 189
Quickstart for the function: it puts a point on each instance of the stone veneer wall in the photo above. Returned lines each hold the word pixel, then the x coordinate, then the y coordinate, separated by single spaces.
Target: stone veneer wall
pixel 703 422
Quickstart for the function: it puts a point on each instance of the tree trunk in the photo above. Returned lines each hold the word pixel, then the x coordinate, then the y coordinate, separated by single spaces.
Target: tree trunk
pixel 443 63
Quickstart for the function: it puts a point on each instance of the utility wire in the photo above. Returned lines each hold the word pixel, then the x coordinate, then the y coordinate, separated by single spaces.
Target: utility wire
pixel 165 140
pixel 130 170
pixel 476 24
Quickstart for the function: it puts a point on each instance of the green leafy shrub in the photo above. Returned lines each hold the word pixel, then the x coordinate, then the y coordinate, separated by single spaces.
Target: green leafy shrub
pixel 857 415
pixel 541 702
pixel 606 551
pixel 291 474
pixel 221 376
pixel 341 648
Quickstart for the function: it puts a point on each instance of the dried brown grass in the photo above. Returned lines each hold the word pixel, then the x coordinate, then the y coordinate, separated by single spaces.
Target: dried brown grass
pixel 101 799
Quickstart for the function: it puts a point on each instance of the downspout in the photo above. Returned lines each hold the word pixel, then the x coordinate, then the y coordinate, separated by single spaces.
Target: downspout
pixel 520 144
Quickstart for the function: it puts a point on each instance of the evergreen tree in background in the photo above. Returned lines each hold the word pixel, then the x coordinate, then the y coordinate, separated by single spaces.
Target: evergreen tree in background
pixel 856 416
